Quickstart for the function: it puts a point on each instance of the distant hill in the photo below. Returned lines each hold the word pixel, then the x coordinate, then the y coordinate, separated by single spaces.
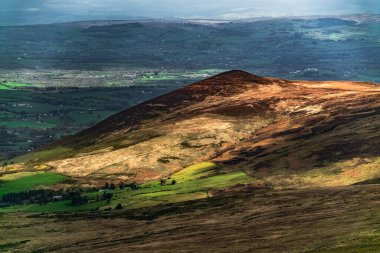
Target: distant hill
pixel 307 48
pixel 283 133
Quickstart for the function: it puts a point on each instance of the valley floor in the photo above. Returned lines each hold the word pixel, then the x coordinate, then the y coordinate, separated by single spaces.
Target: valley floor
pixel 344 219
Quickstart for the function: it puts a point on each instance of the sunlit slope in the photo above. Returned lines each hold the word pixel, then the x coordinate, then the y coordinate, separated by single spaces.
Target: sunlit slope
pixel 282 133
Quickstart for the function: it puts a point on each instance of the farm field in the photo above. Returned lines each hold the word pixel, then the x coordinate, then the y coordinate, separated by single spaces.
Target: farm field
pixel 28 181
pixel 195 182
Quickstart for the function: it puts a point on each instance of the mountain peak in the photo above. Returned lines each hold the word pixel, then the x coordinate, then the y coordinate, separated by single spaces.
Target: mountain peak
pixel 225 84
pixel 236 72
pixel 235 77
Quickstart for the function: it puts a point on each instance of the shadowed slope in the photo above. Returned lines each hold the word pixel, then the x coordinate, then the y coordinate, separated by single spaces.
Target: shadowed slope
pixel 224 85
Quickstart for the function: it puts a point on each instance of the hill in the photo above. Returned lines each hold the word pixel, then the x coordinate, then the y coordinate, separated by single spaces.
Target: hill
pixel 192 45
pixel 313 132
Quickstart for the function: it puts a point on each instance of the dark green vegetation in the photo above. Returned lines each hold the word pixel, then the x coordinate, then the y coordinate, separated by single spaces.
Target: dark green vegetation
pixel 32 117
pixel 317 49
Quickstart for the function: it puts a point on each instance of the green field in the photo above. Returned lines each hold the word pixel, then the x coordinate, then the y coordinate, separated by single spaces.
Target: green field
pixel 30 182
pixel 192 188
pixel 193 182
pixel 12 85
pixel 195 171
pixel 27 124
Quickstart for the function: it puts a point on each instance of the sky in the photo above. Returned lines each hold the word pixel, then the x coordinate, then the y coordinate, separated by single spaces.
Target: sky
pixel 14 12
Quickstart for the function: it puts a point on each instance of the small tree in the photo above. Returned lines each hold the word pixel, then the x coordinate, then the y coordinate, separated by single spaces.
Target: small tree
pixel 174 182
pixel 119 207
pixel 112 186
pixel 84 200
pixel 162 182
pixel 134 186
pixel 121 185
pixel 108 197
pixel 76 200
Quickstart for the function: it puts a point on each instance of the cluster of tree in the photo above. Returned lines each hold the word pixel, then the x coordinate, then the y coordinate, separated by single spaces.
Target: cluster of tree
pixel 109 186
pixel 75 195
pixel 165 182
pixel 40 196
pixel 106 196
pixel 77 199
pixel 44 196
pixel 121 185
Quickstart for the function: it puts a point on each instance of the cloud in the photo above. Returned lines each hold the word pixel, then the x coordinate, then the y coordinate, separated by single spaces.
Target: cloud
pixel 32 9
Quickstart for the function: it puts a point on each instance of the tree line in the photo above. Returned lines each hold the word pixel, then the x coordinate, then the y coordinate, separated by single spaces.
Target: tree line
pixel 75 195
